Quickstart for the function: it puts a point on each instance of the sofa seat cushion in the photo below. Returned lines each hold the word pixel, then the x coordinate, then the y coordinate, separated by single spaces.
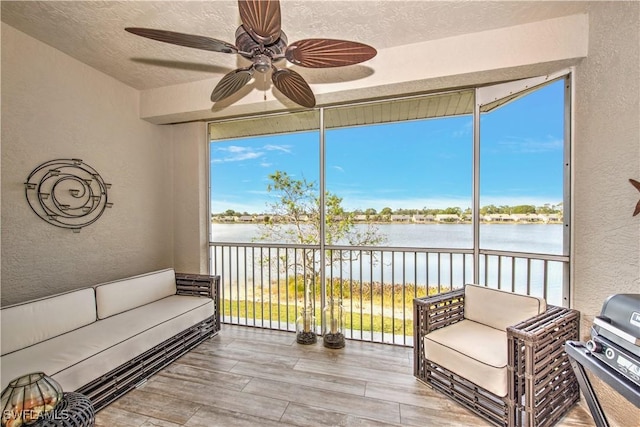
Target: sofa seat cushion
pixel 472 350
pixel 76 358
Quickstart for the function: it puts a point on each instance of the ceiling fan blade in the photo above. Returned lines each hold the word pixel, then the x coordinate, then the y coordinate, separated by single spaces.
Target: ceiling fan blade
pixel 325 53
pixel 181 39
pixel 261 19
pixel 294 87
pixel 231 83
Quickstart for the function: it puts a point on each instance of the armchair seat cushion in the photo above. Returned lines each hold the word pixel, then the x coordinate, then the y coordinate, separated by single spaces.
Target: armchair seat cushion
pixel 474 351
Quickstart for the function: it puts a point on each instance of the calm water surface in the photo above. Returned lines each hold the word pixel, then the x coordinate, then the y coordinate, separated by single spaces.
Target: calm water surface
pixel 535 238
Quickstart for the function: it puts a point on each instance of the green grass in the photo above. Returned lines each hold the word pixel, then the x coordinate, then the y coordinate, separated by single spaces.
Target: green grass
pixel 382 294
pixel 374 297
pixel 265 312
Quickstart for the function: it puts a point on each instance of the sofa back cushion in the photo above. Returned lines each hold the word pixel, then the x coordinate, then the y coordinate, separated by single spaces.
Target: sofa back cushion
pixel 35 321
pixel 125 294
pixel 499 309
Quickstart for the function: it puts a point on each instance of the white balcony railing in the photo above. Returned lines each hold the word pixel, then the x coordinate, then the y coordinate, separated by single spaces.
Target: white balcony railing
pixel 263 285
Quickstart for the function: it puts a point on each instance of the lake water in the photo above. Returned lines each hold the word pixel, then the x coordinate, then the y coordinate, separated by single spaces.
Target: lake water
pixel 431 269
pixel 534 238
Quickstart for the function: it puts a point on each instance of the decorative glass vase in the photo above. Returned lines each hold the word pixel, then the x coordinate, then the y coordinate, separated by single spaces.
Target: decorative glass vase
pixel 333 324
pixel 306 327
pixel 28 398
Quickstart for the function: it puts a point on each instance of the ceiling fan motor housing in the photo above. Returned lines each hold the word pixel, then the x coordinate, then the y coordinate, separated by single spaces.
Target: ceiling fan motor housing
pixel 260 55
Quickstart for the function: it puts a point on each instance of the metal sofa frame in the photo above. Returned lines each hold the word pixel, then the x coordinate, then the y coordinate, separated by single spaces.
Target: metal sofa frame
pixel 541 384
pixel 107 388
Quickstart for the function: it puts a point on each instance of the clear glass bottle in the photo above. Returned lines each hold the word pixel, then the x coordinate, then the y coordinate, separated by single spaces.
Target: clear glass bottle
pixel 333 321
pixel 306 327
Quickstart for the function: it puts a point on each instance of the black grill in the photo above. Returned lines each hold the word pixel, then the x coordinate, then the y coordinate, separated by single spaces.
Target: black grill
pixel 615 335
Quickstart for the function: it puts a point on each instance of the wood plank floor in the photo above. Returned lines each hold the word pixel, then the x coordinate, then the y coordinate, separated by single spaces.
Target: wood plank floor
pixel 256 377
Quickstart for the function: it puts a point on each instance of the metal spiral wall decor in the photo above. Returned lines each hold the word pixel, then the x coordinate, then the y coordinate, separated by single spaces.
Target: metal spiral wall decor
pixel 67 193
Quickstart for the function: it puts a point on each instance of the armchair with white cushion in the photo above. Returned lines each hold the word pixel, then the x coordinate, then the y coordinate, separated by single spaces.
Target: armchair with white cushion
pixel 498 353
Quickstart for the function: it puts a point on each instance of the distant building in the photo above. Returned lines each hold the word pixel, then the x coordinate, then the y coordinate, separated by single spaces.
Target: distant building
pixel 400 218
pixel 498 218
pixel 447 218
pixel 552 218
pixel 421 219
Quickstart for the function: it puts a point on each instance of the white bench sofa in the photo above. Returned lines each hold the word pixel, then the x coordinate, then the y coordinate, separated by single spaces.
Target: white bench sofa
pixel 104 340
pixel 498 353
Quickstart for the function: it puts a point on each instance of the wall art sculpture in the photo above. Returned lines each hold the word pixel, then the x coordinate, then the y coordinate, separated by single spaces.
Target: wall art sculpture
pixel 67 193
pixel 636 184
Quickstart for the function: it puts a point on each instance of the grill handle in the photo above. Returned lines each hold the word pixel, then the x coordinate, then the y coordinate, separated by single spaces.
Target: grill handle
pixel 599 321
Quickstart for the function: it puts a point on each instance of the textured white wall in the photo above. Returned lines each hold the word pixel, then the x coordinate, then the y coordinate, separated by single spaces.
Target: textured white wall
pixel 191 214
pixel 606 154
pixel 56 107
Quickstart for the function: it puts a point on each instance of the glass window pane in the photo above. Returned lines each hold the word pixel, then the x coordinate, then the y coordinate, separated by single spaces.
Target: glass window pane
pixel 521 173
pixel 404 183
pixel 247 177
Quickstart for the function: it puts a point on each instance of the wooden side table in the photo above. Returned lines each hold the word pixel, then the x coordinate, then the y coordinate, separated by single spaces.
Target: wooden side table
pixel 74 410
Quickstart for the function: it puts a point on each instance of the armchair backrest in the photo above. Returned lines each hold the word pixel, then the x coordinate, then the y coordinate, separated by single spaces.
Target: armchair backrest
pixel 499 309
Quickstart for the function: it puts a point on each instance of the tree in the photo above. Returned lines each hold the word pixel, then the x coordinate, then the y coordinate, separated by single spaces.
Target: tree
pixel 489 210
pixel 453 211
pixel 523 209
pixel 385 214
pixel 298 207
pixel 370 212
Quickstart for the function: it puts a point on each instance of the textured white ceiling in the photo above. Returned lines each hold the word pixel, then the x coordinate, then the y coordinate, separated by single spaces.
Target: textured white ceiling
pixel 93 31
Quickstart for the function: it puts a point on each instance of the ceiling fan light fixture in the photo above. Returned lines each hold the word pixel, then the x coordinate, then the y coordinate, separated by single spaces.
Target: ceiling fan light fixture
pixel 262 63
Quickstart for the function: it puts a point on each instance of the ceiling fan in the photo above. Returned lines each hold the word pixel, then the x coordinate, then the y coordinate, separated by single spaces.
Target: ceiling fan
pixel 260 40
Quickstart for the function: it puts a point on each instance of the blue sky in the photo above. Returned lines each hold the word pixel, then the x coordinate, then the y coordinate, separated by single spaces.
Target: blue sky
pixel 415 164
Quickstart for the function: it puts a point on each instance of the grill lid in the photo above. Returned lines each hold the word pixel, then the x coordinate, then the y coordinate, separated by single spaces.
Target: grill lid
pixel 619 320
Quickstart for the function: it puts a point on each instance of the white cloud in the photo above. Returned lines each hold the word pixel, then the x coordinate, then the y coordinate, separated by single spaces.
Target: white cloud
pixel 235 153
pixel 234 149
pixel 526 145
pixel 283 148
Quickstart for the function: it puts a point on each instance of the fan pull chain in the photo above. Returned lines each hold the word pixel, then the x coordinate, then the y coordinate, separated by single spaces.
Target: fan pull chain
pixel 264 80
